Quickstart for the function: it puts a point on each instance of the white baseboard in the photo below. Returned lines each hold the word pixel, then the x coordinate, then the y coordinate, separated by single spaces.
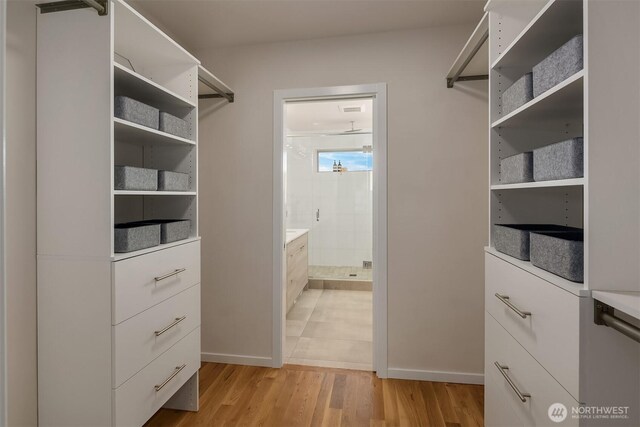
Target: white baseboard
pixel 442 377
pixel 236 359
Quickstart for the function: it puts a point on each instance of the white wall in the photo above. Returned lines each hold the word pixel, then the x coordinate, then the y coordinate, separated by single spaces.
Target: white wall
pixel 21 214
pixel 437 186
pixel 343 236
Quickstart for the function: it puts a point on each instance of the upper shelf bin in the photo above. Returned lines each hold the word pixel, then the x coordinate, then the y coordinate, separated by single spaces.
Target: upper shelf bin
pixel 554 25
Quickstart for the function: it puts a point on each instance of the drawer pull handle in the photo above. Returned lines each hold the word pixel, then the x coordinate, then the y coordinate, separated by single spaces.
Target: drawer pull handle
pixel 173 273
pixel 522 396
pixel 302 247
pixel 505 300
pixel 166 328
pixel 170 377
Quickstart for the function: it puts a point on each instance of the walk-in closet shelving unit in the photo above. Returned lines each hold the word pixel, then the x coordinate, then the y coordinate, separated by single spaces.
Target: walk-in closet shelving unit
pixel 540 337
pixel 118 333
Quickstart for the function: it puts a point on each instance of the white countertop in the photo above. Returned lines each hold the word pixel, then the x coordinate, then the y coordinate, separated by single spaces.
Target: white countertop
pixel 294 233
pixel 627 302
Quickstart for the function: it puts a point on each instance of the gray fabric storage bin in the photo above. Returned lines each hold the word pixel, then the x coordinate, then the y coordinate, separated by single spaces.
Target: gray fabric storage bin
pixel 135 111
pixel 518 94
pixel 559 66
pixel 172 230
pixel 132 178
pixel 563 160
pixel 559 253
pixel 173 125
pixel 134 236
pixel 518 168
pixel 513 239
pixel 173 181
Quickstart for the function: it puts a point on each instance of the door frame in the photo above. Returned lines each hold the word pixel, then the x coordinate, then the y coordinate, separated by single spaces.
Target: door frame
pixel 378 92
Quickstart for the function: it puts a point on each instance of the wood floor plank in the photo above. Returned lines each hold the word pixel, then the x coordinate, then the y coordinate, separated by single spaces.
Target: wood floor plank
pixel 434 413
pixel 390 403
pixel 303 403
pixel 293 396
pixel 444 403
pixel 337 393
pixel 324 399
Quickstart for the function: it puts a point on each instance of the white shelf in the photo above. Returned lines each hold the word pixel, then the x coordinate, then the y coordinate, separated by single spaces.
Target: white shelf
pixel 136 37
pixel 541 184
pixel 132 132
pixel 627 302
pixel 569 286
pixel 140 88
pixel 120 257
pixel 554 25
pixel 153 193
pixel 561 104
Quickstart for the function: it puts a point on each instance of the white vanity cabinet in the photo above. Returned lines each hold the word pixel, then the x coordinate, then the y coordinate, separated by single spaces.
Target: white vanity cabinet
pixel 297 266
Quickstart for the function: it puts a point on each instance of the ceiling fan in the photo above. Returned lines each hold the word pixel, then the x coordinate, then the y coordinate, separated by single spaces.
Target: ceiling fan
pixel 352 129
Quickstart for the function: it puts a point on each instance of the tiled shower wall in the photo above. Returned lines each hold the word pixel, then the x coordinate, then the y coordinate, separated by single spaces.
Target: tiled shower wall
pixel 344 234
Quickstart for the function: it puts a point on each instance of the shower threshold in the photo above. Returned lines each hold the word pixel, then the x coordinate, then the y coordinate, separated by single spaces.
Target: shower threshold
pixel 342 278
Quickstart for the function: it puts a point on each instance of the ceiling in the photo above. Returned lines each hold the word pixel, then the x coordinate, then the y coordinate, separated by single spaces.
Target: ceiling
pixel 205 24
pixel 328 116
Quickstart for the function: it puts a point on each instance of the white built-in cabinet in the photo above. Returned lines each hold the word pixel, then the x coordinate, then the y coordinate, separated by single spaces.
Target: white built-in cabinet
pixel 118 334
pixel 542 346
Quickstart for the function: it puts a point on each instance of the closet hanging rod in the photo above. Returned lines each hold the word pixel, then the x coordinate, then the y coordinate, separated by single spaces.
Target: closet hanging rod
pixel 101 6
pixel 469 51
pixel 605 315
pixel 212 82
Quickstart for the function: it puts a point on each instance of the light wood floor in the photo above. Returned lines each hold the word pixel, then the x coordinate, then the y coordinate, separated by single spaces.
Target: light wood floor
pixel 234 395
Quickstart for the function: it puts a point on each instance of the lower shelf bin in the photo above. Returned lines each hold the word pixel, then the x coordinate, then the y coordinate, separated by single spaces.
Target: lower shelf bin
pixel 173 181
pixel 562 160
pixel 559 253
pixel 134 236
pixel 132 178
pixel 513 239
pixel 172 230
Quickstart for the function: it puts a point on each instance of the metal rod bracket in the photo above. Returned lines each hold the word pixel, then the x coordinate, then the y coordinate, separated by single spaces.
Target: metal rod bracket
pixel 228 96
pixel 450 80
pixel 604 315
pixel 101 6
pixel 598 309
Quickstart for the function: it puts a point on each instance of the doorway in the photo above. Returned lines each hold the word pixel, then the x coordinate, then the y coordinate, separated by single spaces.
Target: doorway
pixel 330 227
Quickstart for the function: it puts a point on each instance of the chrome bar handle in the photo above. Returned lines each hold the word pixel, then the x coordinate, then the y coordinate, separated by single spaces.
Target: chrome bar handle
pixel 522 396
pixel 165 382
pixel 173 273
pixel 166 328
pixel 505 300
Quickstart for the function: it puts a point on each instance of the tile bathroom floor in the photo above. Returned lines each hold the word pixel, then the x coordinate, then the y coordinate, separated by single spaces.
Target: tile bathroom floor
pixel 331 328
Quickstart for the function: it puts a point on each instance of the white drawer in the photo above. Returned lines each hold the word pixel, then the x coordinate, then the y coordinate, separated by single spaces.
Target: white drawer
pixel 135 342
pixel 146 280
pixel 551 333
pixel 528 376
pixel 497 413
pixel 137 400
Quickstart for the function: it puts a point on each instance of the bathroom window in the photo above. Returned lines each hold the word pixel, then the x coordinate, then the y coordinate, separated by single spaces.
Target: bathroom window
pixel 349 160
